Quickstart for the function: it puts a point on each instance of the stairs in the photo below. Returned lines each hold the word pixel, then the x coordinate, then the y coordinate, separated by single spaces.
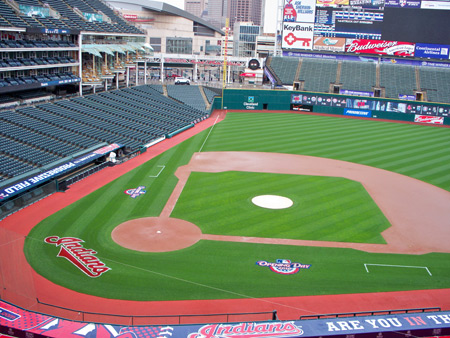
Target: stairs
pixel 202 92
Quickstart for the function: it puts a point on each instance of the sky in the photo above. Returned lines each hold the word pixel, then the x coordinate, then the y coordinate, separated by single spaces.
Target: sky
pixel 270 19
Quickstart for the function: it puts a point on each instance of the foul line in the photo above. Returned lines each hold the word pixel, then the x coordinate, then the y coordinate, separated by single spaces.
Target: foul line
pixel 201 148
pixel 162 168
pixel 206 286
pixel 399 266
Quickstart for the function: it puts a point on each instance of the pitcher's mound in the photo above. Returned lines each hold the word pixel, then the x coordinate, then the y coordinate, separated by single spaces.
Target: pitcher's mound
pixel 156 234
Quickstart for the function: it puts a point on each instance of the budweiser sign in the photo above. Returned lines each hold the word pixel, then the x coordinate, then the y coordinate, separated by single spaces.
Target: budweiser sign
pixel 429 119
pixel 248 330
pixel 381 47
pixel 84 259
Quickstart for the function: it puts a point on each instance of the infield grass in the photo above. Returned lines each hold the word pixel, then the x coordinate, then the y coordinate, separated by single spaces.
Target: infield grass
pixel 325 208
pixel 211 269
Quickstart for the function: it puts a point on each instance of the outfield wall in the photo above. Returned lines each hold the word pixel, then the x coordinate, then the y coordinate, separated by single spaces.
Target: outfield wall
pixel 370 107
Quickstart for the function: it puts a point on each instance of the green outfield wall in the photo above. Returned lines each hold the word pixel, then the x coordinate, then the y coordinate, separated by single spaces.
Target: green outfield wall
pixel 370 107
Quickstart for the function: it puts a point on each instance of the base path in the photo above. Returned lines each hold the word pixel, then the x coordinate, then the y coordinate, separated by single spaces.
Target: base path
pixel 418 211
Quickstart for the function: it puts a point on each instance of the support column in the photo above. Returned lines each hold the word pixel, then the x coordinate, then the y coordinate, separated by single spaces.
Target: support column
pixel 162 69
pixel 145 71
pixel 136 75
pixel 80 67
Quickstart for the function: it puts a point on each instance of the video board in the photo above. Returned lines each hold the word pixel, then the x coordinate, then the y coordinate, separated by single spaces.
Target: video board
pixel 384 27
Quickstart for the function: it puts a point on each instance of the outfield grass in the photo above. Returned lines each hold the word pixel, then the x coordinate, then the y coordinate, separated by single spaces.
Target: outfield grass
pixel 212 269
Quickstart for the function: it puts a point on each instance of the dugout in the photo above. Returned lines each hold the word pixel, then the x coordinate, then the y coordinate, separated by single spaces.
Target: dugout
pixel 337 104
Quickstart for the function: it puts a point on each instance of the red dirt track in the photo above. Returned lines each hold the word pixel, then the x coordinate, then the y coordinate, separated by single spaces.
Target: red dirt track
pixel 19 284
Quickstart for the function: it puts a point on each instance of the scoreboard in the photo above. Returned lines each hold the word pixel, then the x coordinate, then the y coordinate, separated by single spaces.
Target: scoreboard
pixel 418 28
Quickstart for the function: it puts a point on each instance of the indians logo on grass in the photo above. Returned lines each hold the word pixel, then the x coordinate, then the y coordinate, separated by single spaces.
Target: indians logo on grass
pixel 284 266
pixel 82 258
pixel 248 330
pixel 136 192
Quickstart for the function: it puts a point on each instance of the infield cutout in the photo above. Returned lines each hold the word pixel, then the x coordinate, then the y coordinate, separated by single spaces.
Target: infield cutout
pixel 272 202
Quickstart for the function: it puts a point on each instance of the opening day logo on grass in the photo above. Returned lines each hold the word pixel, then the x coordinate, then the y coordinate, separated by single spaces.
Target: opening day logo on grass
pixel 82 258
pixel 284 266
pixel 136 192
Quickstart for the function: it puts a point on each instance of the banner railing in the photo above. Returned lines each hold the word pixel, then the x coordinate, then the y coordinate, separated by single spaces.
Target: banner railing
pixel 180 319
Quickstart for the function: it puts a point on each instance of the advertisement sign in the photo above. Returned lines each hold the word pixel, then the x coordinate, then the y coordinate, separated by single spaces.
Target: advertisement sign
pixel 432 4
pixel 429 119
pixel 429 110
pixel 403 3
pixel 396 107
pixel 427 50
pixel 367 3
pixel 354 112
pixel 329 44
pixel 297 35
pixel 355 92
pixel 296 98
pixel 38 11
pixel 406 97
pixel 332 3
pixel 361 104
pixel 52 173
pixel 248 75
pixel 299 10
pixel 381 47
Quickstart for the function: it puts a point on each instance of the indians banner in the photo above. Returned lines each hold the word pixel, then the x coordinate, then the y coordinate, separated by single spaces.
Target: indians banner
pixel 20 323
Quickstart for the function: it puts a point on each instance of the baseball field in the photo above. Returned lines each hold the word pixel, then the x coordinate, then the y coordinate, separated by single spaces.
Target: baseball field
pixel 369 212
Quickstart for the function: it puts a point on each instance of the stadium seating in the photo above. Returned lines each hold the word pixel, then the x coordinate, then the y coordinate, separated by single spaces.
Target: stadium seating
pixel 39 135
pixel 285 68
pixel 436 83
pixel 359 76
pixel 210 94
pixel 317 74
pixel 189 95
pixel 70 18
pixel 397 80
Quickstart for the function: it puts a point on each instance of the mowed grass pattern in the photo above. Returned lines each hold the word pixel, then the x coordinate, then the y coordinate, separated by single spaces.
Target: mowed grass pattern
pixel 325 208
pixel 419 151
pixel 213 270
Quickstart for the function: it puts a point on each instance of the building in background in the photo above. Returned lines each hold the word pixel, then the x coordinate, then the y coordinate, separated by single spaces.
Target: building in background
pixel 196 7
pixel 244 39
pixel 216 12
pixel 246 11
pixel 170 29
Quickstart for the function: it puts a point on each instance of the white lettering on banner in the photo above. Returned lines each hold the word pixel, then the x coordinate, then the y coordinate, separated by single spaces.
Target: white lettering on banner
pixel 379 323
pixel 250 105
pixel 355 47
pixel 402 48
pixel 440 319
pixel 429 119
